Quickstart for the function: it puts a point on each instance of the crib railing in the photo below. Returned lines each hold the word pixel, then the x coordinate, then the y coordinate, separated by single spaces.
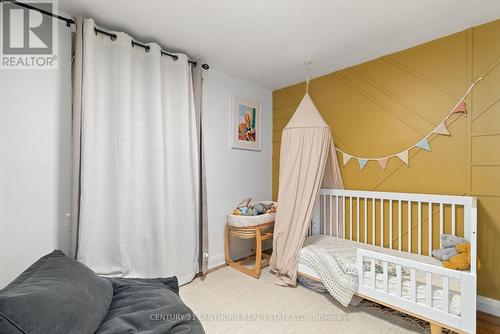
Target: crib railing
pixel 401 221
pixel 465 320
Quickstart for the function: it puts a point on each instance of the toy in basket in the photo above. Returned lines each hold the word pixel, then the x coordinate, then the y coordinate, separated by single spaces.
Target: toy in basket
pixel 250 221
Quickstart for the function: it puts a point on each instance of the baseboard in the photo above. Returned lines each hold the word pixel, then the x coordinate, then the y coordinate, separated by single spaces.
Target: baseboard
pixel 488 305
pixel 215 261
pixel 218 260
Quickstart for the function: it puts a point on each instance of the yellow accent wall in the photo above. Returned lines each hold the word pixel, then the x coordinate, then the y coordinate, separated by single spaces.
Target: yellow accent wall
pixel 388 104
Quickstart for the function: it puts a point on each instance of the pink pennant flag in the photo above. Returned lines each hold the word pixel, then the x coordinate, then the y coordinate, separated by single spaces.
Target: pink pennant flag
pixel 460 108
pixel 383 162
pixel 404 157
pixel 442 130
pixel 346 158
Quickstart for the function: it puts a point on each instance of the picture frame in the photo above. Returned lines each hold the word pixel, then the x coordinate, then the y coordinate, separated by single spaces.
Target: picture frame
pixel 246 126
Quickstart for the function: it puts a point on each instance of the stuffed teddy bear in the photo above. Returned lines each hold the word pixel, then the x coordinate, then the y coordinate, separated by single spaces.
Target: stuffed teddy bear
pixel 447 250
pixel 461 261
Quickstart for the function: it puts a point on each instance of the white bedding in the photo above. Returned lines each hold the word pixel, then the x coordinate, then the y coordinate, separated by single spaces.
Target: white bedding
pixel 454 288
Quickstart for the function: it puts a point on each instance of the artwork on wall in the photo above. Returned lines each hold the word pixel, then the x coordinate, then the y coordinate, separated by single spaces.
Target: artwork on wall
pixel 246 124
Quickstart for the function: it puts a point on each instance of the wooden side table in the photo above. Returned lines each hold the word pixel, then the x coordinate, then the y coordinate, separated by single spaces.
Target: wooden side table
pixel 260 233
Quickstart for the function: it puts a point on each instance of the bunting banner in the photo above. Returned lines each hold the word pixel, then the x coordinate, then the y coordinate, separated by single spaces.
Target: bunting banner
pixel 383 162
pixel 460 108
pixel 441 129
pixel 423 144
pixel 362 163
pixel 346 159
pixel 404 157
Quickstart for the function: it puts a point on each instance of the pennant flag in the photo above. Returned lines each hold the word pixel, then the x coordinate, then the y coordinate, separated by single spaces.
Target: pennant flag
pixel 460 108
pixel 403 156
pixel 346 158
pixel 383 162
pixel 362 163
pixel 423 144
pixel 442 130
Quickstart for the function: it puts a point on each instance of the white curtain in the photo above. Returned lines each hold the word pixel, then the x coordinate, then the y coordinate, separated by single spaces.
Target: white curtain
pixel 139 204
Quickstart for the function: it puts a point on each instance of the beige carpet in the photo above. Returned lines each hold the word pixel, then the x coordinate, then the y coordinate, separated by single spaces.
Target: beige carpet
pixel 227 301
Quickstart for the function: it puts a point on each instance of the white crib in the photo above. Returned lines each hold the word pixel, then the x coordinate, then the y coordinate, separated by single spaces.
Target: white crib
pixel 405 223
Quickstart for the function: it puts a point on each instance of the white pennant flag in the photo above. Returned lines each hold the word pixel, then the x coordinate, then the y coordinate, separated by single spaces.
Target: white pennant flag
pixel 442 130
pixel 346 158
pixel 403 156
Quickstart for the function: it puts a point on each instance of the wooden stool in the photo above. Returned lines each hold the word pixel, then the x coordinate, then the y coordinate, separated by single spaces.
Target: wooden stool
pixel 260 233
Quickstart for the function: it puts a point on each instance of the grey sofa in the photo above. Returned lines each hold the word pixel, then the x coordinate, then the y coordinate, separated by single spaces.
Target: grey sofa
pixel 60 295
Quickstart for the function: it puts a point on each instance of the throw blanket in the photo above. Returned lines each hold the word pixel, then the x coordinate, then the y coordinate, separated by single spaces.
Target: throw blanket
pixel 336 267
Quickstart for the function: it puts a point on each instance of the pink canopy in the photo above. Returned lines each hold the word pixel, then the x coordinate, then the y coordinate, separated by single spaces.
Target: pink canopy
pixel 307 163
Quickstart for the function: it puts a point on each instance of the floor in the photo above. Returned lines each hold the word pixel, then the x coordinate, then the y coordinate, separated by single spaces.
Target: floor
pixel 227 301
pixel 487 324
pixel 241 304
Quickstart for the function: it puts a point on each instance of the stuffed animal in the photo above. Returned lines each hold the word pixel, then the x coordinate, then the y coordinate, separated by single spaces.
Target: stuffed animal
pixel 447 250
pixel 461 261
pixel 259 208
pixel 444 254
pixel 244 203
pixel 450 240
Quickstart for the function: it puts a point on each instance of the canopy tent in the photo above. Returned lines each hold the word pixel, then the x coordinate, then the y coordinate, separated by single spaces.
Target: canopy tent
pixel 307 163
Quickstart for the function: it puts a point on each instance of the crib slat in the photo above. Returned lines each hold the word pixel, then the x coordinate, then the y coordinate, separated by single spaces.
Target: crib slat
pixel 453 229
pixel 366 220
pixel 337 216
pixel 445 306
pixel 390 224
pixel 331 215
pixel 419 232
pixel 399 283
pixel 409 227
pixel 441 223
pixel 350 217
pixel 381 222
pixel 399 225
pixel 413 285
pixel 373 221
pixel 386 278
pixel 430 229
pixel 324 216
pixel 343 216
pixel 428 289
pixel 372 267
pixel 357 219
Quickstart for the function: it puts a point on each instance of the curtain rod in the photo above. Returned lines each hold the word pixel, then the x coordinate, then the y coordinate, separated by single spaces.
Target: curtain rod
pixel 113 36
pixel 68 21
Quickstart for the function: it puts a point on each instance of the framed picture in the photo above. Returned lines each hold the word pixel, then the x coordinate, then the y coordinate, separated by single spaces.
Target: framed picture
pixel 246 124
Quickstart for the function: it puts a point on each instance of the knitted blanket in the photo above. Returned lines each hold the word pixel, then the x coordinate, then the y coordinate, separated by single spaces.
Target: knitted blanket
pixel 336 267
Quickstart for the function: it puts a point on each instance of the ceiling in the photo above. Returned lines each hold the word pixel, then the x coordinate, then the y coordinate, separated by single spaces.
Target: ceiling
pixel 266 41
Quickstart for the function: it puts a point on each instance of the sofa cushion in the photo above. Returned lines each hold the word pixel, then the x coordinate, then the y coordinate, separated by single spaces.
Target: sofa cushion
pixel 55 295
pixel 150 306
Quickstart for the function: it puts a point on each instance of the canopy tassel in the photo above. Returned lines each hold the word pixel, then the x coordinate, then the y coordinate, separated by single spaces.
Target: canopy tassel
pixel 307 64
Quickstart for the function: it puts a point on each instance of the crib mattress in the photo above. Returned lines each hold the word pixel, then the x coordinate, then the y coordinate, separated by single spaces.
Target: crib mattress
pixel 437 292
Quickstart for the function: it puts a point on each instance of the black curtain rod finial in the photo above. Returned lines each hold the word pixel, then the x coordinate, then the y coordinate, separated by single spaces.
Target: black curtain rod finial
pixel 113 36
pixel 68 21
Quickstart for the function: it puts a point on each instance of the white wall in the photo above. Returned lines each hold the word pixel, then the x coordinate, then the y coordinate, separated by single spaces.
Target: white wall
pixel 232 174
pixel 35 162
